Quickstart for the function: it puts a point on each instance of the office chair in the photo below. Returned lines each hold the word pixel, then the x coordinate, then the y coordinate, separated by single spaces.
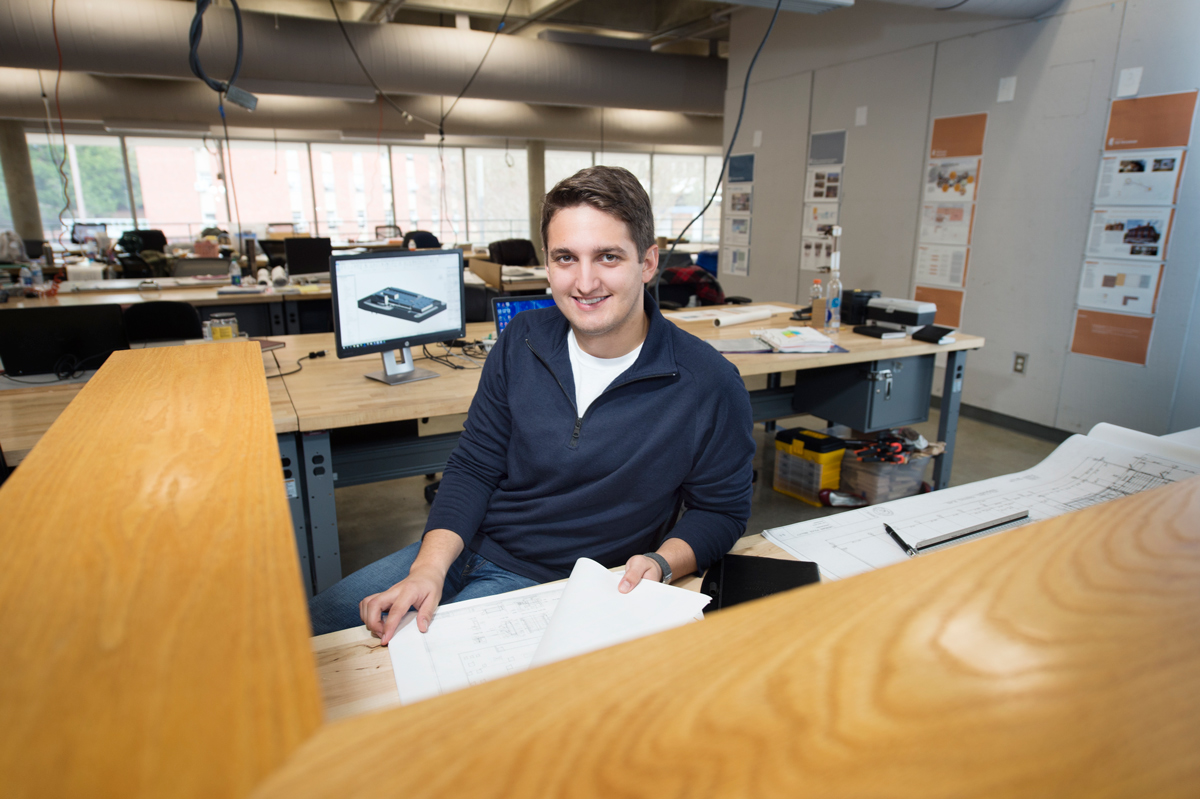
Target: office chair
pixel 478 301
pixel 423 239
pixel 35 248
pixel 387 232
pixel 679 284
pixel 162 321
pixel 275 250
pixel 513 252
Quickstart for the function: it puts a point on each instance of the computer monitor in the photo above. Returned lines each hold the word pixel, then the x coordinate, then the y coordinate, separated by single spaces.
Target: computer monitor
pixel 386 301
pixel 38 341
pixel 308 257
pixel 505 308
pixel 81 232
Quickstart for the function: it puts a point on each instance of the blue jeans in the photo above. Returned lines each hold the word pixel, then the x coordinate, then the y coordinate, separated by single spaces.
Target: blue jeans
pixel 470 577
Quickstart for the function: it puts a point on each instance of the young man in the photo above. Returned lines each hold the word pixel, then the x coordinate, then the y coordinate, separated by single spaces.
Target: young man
pixel 593 422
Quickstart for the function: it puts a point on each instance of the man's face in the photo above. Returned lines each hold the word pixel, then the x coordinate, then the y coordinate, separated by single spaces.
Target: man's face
pixel 596 278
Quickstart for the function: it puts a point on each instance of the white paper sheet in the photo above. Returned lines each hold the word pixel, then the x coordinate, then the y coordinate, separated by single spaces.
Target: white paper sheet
pixel 471 642
pixel 708 314
pixel 1119 286
pixel 1140 233
pixel 823 183
pixel 815 253
pixel 1139 177
pixel 941 265
pixel 735 261
pixel 819 219
pixel 1083 471
pixel 593 614
pixel 952 180
pixel 1161 446
pixel 737 231
pixel 946 223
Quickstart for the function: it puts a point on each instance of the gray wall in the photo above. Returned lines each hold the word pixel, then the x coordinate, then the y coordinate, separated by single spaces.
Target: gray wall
pixel 1041 154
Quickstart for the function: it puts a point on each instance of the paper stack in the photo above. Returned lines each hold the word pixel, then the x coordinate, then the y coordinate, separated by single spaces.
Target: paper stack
pixel 796 339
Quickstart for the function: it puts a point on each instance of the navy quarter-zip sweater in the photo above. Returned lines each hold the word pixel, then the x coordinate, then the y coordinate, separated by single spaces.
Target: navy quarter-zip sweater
pixel 532 487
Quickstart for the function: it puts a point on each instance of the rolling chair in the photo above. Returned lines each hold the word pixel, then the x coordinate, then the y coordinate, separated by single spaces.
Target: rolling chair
pixel 678 284
pixel 35 248
pixel 275 250
pixel 162 321
pixel 387 232
pixel 513 252
pixel 423 239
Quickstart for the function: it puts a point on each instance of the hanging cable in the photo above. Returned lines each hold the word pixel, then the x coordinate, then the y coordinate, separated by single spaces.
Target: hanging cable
pixel 235 95
pixel 500 27
pixel 728 152
pixel 346 35
pixel 62 163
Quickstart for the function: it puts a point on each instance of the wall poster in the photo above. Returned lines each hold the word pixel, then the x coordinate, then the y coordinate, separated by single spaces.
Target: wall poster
pixel 941 265
pixel 1139 177
pixel 1119 286
pixel 1139 233
pixel 1118 337
pixel 947 223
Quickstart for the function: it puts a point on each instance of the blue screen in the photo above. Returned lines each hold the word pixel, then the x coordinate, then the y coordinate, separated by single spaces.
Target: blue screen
pixel 506 309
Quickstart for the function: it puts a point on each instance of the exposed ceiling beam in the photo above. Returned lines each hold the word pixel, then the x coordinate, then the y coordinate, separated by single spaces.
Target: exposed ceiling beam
pixel 548 9
pixel 383 11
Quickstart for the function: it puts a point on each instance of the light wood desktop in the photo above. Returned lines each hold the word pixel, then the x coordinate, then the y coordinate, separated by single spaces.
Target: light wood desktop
pixel 27 412
pixel 196 295
pixel 156 639
pixel 1057 659
pixel 493 275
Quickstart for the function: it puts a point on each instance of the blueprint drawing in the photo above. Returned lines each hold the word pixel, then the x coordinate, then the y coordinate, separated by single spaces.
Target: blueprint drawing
pixel 1082 472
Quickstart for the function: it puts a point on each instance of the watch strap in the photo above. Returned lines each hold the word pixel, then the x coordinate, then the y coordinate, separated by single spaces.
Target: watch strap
pixel 662 564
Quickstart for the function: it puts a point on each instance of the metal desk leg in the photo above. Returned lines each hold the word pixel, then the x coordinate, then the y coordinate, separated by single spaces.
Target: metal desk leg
pixel 773 381
pixel 322 512
pixel 948 419
pixel 293 480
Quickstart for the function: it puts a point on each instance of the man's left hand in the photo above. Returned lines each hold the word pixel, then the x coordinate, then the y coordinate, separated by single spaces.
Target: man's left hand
pixel 679 555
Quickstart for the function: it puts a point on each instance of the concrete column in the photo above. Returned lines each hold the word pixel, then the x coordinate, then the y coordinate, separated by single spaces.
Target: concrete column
pixel 535 152
pixel 18 179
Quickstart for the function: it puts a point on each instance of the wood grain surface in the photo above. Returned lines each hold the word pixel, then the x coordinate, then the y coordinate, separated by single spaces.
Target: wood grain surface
pixel 196 295
pixel 1058 659
pixel 27 413
pixel 154 624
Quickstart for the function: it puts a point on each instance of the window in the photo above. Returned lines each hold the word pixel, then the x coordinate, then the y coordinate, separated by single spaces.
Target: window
pixel 498 192
pixel 429 191
pixel 178 186
pixel 6 220
pixel 637 163
pixel 678 193
pixel 96 188
pixel 354 190
pixel 562 164
pixel 271 184
pixel 711 222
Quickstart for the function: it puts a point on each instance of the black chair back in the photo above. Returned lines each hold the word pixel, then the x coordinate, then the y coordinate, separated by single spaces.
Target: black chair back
pixel 34 248
pixel 513 252
pixel 162 321
pixel 423 239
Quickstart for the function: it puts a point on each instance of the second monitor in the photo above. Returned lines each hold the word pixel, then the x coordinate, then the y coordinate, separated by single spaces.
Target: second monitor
pixel 396 300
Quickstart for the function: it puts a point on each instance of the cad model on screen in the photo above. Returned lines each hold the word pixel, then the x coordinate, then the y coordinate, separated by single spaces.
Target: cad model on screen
pixel 402 304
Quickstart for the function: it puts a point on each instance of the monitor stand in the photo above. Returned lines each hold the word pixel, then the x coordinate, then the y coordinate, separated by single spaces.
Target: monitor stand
pixel 396 373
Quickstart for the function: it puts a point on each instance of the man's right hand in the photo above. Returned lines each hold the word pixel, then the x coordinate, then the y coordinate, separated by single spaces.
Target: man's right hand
pixel 422 589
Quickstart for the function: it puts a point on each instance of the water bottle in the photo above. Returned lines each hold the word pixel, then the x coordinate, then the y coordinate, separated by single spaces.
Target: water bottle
pixel 26 277
pixel 36 275
pixel 816 292
pixel 235 273
pixel 833 304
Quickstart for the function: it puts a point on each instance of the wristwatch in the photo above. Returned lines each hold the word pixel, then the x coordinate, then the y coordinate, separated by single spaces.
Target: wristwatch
pixel 662 564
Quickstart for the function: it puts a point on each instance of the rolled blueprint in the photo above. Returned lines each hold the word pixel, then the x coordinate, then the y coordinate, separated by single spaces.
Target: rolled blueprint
pixel 737 318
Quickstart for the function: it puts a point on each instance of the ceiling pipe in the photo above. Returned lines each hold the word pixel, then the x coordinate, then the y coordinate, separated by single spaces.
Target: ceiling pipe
pixel 148 38
pixel 1013 9
pixel 164 106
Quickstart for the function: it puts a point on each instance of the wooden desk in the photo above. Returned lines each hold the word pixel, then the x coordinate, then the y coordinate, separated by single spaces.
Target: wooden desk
pixel 156 639
pixel 200 296
pixel 1058 659
pixel 26 413
pixel 329 394
pixel 493 275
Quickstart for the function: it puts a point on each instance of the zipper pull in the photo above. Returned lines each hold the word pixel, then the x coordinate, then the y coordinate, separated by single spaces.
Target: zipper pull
pixel 575 432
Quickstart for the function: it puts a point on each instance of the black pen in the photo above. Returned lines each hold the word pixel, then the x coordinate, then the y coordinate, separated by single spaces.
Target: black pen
pixel 912 553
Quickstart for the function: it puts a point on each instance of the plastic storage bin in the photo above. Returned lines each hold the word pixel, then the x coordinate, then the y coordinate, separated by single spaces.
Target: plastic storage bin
pixel 883 482
pixel 805 462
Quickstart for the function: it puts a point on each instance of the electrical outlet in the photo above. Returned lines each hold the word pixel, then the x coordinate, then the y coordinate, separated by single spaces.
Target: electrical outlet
pixel 1019 361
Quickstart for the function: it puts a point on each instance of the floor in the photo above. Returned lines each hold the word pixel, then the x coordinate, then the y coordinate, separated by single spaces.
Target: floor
pixel 377 519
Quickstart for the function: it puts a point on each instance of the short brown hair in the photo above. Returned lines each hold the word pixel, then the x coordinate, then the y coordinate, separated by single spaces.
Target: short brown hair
pixel 611 189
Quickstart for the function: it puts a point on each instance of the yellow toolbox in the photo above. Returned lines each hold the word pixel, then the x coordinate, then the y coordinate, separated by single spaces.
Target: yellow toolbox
pixel 806 462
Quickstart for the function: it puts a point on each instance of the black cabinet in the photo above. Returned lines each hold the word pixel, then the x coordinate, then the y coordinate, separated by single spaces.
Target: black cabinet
pixel 868 396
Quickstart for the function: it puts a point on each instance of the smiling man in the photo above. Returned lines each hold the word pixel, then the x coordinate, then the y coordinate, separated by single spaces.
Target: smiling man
pixel 594 423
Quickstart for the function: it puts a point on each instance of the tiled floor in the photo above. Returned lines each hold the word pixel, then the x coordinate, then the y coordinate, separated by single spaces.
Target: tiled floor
pixel 377 519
